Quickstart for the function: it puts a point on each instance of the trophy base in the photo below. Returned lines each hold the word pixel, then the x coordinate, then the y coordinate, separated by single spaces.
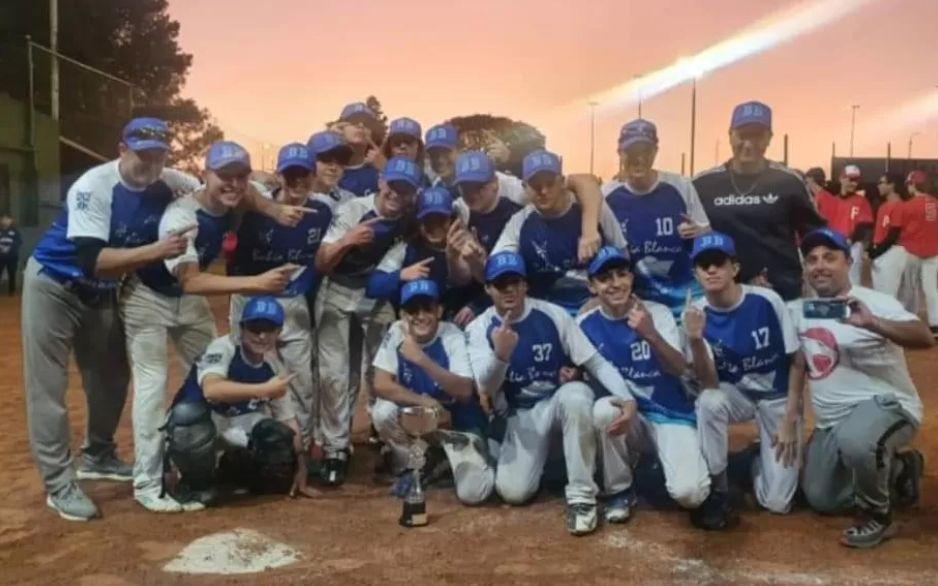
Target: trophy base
pixel 414 515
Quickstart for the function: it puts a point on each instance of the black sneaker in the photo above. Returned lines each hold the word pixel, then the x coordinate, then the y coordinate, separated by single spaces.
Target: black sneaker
pixel 906 489
pixel 714 514
pixel 870 532
pixel 334 469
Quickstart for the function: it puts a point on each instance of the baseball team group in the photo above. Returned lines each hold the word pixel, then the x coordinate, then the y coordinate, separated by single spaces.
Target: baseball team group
pixel 619 329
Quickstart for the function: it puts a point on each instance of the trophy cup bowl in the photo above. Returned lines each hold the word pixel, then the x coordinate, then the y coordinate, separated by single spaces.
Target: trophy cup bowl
pixel 418 421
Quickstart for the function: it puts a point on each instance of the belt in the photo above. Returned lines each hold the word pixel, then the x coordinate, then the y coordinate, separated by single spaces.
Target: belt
pixel 88 294
pixel 349 281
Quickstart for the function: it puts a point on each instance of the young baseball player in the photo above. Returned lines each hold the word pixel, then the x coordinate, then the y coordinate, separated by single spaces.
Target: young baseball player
pixel 330 154
pixel 425 361
pixel 357 125
pixel 641 339
pixel 660 214
pixel 108 227
pixel 546 234
pixel 888 257
pixel 866 408
pixel 235 398
pixel 441 143
pixel 763 205
pixel 740 340
pixel 426 256
pixel 351 325
pixel 517 349
pixel 167 299
pixel 405 140
pixel 264 245
pixel 920 238
pixel 852 217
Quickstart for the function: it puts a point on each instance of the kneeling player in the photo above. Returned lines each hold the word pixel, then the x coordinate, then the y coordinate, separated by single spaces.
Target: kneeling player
pixel 425 362
pixel 742 341
pixel 641 339
pixel 518 348
pixel 235 398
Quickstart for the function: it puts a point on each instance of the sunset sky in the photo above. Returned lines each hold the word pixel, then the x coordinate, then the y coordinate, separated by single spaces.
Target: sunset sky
pixel 275 71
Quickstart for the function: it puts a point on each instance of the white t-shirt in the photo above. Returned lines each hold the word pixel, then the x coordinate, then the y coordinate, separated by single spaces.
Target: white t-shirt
pixel 847 365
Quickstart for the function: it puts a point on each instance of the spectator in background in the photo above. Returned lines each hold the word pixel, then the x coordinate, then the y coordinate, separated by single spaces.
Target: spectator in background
pixel 816 180
pixel 919 236
pixel 10 243
pixel 852 216
pixel 888 258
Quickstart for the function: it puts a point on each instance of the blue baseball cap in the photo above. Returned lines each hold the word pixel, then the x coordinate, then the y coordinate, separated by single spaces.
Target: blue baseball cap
pixel 142 134
pixel 327 141
pixel 504 263
pixel 442 136
pixel 356 108
pixel 434 200
pixel 474 167
pixel 264 308
pixel 294 155
pixel 224 153
pixel 539 162
pixel 825 237
pixel 406 126
pixel 401 169
pixel 606 257
pixel 751 113
pixel 713 241
pixel 419 288
pixel 638 132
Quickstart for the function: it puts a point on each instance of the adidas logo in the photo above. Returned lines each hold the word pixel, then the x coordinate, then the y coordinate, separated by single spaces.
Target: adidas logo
pixel 745 200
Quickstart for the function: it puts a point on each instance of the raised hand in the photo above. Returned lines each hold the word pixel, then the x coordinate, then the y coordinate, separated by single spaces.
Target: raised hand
pixel 860 315
pixel 174 244
pixel 695 320
pixel 640 320
pixel 418 270
pixel 688 229
pixel 504 340
pixel 409 349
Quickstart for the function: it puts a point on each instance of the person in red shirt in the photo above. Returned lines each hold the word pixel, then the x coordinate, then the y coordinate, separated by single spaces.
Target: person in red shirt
pixel 824 200
pixel 852 217
pixel 887 256
pixel 919 236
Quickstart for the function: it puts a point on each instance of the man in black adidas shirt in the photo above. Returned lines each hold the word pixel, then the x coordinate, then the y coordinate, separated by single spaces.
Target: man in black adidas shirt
pixel 762 204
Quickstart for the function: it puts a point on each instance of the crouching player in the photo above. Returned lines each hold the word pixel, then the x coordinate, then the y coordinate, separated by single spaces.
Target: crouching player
pixel 235 398
pixel 641 339
pixel 518 348
pixel 743 347
pixel 425 362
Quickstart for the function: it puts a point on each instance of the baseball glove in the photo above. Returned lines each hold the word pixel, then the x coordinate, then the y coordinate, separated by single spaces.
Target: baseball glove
pixel 274 458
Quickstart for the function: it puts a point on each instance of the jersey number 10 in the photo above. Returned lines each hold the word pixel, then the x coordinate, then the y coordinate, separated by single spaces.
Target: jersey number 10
pixel 665 226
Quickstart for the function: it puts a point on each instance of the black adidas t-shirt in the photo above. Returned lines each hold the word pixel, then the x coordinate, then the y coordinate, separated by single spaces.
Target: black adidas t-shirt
pixel 765 214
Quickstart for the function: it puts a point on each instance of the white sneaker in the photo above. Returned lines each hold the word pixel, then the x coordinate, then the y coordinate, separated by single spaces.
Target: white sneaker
pixel 154 503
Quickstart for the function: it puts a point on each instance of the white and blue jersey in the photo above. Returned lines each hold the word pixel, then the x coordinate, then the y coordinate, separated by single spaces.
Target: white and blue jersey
pixel 362 180
pixel 649 220
pixel 263 244
pixel 550 249
pixel 752 343
pixel 488 226
pixel 101 206
pixel 224 358
pixel 448 350
pixel 548 340
pixel 204 243
pixel 385 282
pixel 661 397
pixel 357 265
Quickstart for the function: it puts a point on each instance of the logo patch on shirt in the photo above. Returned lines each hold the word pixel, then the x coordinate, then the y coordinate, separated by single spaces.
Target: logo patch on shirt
pixel 210 359
pixel 822 351
pixel 82 201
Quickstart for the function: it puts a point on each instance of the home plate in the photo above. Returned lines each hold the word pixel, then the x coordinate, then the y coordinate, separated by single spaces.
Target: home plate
pixel 241 551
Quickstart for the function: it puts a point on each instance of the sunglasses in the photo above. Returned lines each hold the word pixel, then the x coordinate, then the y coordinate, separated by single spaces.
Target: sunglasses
pixel 334 158
pixel 149 134
pixel 260 327
pixel 420 305
pixel 507 282
pixel 715 259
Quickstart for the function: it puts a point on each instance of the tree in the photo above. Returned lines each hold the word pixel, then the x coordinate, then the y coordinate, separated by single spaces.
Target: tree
pixel 135 40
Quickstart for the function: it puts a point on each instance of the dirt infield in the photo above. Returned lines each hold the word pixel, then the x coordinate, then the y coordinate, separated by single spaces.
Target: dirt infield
pixel 351 536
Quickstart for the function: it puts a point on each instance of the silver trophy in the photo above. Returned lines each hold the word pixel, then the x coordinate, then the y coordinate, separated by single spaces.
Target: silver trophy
pixel 417 422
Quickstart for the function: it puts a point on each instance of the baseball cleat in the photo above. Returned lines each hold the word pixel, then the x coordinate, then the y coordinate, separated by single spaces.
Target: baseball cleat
pixel 869 533
pixel 335 469
pixel 907 487
pixel 619 507
pixel 155 503
pixel 581 518
pixel 108 467
pixel 714 514
pixel 72 504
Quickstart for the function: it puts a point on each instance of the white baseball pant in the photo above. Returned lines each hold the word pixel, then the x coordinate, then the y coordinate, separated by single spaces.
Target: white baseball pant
pixel 926 271
pixel 295 346
pixel 856 267
pixel 888 269
pixel 148 317
pixel 525 448
pixel 775 484
pixel 475 478
pixel 350 327
pixel 675 444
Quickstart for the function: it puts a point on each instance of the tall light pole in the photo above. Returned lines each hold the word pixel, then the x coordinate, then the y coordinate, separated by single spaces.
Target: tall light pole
pixel 592 134
pixel 853 124
pixel 911 136
pixel 693 123
pixel 637 79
